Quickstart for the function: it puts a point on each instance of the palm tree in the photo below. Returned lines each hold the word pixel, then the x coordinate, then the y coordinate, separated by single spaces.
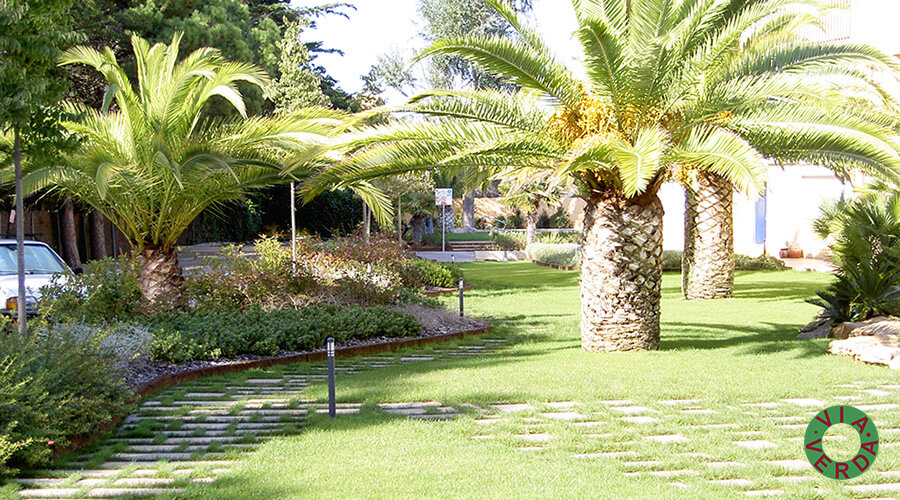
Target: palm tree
pixel 155 161
pixel 645 113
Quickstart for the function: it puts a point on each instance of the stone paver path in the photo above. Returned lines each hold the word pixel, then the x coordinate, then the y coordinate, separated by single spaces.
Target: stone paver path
pixel 195 432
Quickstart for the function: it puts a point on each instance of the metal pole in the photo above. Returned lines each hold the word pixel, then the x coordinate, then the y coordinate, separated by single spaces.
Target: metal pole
pixel 293 226
pixel 460 297
pixel 21 300
pixel 332 406
pixel 443 228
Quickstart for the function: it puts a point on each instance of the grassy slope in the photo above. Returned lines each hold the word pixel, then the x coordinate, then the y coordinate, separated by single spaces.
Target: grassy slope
pixel 725 352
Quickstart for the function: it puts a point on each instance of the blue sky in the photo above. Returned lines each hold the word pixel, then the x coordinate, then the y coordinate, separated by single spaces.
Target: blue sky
pixel 382 26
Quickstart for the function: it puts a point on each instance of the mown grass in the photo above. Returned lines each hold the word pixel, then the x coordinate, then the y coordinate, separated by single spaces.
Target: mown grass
pixel 727 353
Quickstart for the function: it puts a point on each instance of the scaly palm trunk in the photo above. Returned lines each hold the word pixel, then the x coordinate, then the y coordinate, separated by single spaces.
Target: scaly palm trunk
pixel 160 273
pixel 417 222
pixel 707 268
pixel 98 235
pixel 621 269
pixel 468 212
pixel 531 219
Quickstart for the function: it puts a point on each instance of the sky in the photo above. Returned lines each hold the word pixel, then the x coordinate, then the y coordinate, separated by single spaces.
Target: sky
pixel 384 26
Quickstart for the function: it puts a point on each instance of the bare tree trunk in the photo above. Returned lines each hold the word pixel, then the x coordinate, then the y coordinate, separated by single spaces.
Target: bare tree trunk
pixel 367 222
pixel 160 274
pixel 70 234
pixel 399 223
pixel 98 235
pixel 417 222
pixel 468 212
pixel 707 267
pixel 21 299
pixel 531 219
pixel 621 272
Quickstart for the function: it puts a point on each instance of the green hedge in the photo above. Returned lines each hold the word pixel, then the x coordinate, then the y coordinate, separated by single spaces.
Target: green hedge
pixel 672 262
pixel 186 336
pixel 439 274
pixel 561 254
pixel 515 240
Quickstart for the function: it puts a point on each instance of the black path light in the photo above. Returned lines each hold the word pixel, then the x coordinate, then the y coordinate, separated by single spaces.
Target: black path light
pixel 332 411
pixel 460 297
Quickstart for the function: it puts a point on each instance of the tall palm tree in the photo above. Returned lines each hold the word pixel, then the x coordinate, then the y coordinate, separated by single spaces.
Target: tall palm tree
pixel 644 114
pixel 156 160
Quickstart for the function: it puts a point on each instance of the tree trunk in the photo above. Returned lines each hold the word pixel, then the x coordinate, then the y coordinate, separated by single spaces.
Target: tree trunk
pixel 468 212
pixel 70 234
pixel 399 222
pixel 707 267
pixel 160 274
pixel 418 227
pixel 98 235
pixel 531 220
pixel 21 299
pixel 621 270
pixel 367 222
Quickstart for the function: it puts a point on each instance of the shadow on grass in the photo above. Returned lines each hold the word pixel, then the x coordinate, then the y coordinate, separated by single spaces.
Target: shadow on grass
pixel 770 338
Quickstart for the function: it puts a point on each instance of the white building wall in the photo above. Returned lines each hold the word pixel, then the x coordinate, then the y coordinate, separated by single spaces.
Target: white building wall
pixel 794 196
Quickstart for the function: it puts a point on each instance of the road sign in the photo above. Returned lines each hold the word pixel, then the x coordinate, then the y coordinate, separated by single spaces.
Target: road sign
pixel 443 197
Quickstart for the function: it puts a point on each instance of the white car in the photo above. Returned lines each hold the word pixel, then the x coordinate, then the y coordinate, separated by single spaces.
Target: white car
pixel 41 264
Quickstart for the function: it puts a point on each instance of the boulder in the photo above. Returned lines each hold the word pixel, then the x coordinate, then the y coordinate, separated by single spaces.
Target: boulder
pixel 817 329
pixel 880 348
pixel 872 326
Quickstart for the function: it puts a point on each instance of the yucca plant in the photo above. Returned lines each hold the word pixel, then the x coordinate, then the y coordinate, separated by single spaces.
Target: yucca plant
pixel 153 159
pixel 687 90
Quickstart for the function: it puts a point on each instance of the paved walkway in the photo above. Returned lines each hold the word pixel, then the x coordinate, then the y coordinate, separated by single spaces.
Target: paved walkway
pixel 195 431
pixel 448 256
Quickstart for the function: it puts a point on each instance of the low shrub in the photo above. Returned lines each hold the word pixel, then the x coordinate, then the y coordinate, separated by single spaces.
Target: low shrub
pixel 432 239
pixel 439 274
pixel 561 254
pixel 860 292
pixel 671 261
pixel 54 384
pixel 210 334
pixel 508 240
pixel 761 263
pixel 516 240
pixel 107 291
pixel 558 219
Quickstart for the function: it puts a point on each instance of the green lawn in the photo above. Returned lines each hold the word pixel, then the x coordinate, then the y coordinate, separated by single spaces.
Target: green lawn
pixel 726 353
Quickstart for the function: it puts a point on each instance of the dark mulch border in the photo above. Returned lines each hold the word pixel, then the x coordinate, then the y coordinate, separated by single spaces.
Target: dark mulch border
pixel 442 291
pixel 164 381
pixel 555 266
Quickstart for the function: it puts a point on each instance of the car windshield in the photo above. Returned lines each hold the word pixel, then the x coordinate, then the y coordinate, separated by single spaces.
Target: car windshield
pixel 38 260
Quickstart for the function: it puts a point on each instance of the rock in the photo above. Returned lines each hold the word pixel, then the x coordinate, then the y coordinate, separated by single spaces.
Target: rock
pixel 882 349
pixel 817 329
pixel 868 327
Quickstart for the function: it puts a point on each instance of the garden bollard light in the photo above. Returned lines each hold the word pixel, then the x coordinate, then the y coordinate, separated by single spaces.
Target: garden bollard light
pixel 332 411
pixel 460 297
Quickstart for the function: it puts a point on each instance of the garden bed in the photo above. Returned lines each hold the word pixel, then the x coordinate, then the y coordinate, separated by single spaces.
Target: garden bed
pixel 555 266
pixel 145 376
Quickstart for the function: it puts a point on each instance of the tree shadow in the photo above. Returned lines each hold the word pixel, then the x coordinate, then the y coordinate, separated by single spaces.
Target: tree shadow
pixel 765 339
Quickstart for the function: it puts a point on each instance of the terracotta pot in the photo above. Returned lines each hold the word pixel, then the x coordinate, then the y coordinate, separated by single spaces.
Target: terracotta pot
pixel 791 253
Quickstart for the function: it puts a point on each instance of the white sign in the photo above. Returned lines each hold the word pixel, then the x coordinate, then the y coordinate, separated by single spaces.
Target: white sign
pixel 443 197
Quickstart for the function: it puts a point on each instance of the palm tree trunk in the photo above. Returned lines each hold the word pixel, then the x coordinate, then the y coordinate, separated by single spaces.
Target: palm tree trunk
pixel 418 226
pixel 621 271
pixel 707 267
pixel 98 235
pixel 160 274
pixel 468 212
pixel 70 234
pixel 531 219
